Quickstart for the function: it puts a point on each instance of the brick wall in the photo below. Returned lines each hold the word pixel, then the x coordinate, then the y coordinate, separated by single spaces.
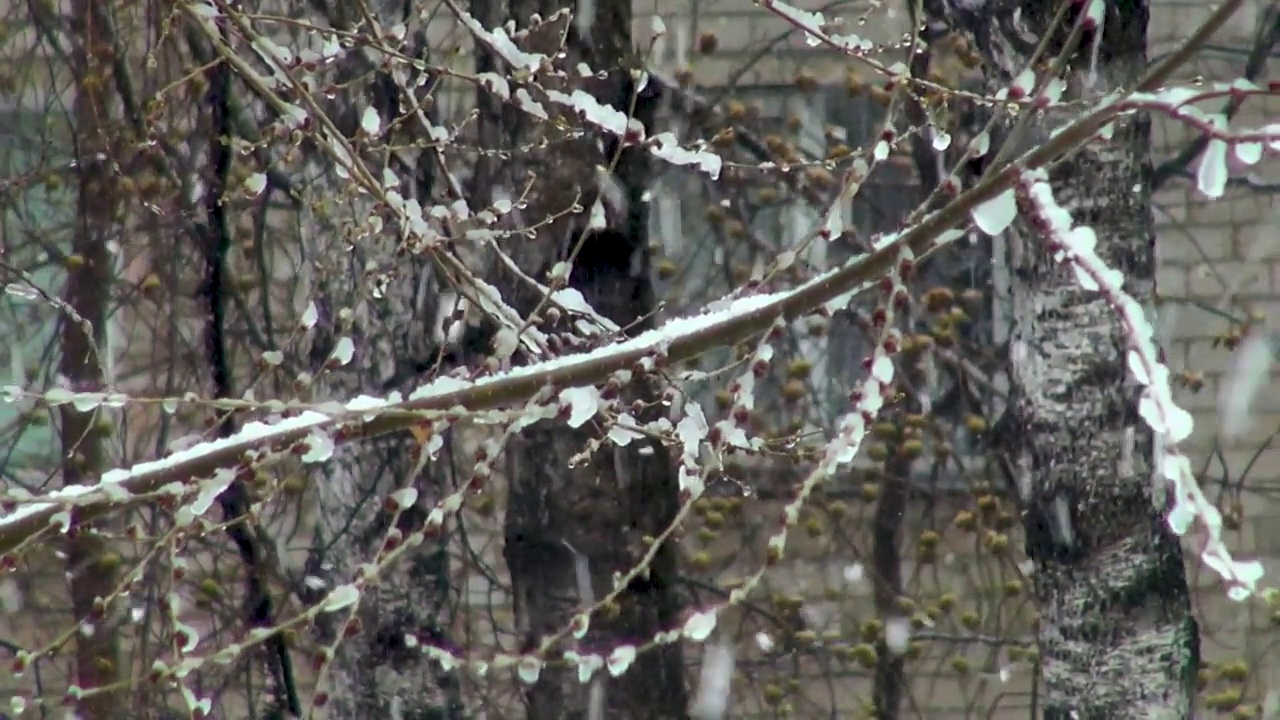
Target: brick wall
pixel 1223 255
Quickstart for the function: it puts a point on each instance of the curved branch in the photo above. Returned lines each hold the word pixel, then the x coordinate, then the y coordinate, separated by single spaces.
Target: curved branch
pixel 677 341
pixel 1264 43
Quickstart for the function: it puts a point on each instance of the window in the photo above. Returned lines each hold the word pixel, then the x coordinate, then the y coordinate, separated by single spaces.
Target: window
pixel 696 229
pixel 37 206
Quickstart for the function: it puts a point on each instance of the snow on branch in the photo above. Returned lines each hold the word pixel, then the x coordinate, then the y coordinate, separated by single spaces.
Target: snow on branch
pixel 573 389
pixel 1075 245
pixel 288 73
pixel 579 405
pixel 309 433
pixel 677 340
pixel 582 103
pixel 816 28
pixel 696 434
pixel 818 31
pixel 312 434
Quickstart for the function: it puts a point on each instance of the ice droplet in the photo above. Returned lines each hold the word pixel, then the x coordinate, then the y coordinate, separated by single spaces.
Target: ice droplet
pixel 1211 176
pixel 255 184
pixel 341 597
pixel 699 625
pixel 310 316
pixel 370 122
pixel 994 216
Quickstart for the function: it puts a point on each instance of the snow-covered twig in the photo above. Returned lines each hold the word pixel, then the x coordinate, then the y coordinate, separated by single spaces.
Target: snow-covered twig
pixel 679 339
pixel 348 163
pixel 1075 246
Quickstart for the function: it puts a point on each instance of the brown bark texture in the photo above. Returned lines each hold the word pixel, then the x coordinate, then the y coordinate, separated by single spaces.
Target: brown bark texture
pixel 87 294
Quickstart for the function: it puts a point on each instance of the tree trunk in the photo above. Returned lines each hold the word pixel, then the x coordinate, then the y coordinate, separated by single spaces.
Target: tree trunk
pixel 569 528
pixel 92 578
pixel 377 672
pixel 382 300
pixel 1117 637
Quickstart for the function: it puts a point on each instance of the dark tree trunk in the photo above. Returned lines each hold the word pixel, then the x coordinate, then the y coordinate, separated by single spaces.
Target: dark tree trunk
pixel 568 526
pixel 1117 637
pixel 91 578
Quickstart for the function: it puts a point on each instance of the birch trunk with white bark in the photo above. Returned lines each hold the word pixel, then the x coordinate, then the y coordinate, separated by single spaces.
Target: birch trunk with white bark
pixel 1116 634
pixel 378 671
pixel 384 302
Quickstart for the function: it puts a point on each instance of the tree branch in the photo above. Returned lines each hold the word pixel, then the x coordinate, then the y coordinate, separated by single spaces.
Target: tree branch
pixel 678 341
pixel 1263 44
